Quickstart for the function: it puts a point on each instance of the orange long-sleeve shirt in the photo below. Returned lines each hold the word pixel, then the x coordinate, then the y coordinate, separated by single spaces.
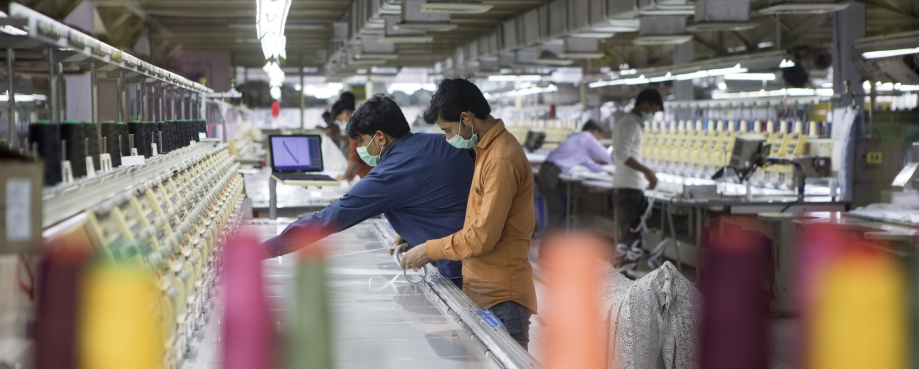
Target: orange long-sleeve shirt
pixel 500 218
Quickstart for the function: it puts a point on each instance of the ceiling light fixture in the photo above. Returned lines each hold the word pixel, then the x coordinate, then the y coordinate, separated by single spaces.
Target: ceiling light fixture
pixel 515 78
pixel 410 88
pixel 323 92
pixel 554 61
pixel 662 40
pixel 750 77
pixel 577 55
pixel 597 35
pixel 271 18
pixel 720 26
pixel 804 8
pixel 823 92
pixel 407 39
pixel 455 7
pixel 670 77
pixel 786 63
pixel 275 78
pixel 889 53
pixel 521 92
pixel 425 26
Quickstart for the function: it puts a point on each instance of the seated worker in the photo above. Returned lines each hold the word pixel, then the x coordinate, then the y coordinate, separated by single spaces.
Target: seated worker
pixel 500 217
pixel 582 148
pixel 420 185
pixel 342 110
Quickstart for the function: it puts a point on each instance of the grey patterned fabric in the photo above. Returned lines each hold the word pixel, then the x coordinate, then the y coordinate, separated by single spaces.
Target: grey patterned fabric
pixel 655 321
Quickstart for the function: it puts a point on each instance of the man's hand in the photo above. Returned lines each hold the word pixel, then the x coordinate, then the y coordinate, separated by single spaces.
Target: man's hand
pixel 652 179
pixel 396 242
pixel 415 258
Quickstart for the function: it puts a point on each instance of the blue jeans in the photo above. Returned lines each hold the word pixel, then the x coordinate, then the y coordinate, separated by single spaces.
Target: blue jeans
pixel 516 318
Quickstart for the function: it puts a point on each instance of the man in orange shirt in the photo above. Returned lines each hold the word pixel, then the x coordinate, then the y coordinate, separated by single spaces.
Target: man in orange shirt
pixel 500 216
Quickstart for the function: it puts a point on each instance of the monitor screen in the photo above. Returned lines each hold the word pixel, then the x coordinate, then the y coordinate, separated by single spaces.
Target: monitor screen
pixel 296 153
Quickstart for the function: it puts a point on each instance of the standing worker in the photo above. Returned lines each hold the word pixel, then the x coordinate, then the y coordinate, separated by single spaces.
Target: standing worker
pixel 582 148
pixel 632 176
pixel 500 218
pixel 342 110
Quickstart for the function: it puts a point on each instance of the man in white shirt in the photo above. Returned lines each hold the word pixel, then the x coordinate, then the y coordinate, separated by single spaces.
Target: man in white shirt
pixel 582 148
pixel 632 176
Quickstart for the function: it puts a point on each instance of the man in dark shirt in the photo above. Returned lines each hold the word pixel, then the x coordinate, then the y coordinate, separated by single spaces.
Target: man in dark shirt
pixel 420 184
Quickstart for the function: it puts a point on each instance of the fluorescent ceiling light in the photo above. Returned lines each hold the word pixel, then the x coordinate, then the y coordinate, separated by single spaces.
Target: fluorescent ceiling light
pixel 366 62
pixel 455 7
pixel 407 39
pixel 750 77
pixel 889 53
pixel 884 87
pixel 710 73
pixel 521 92
pixel 323 91
pixel 426 26
pixel 666 77
pixel 552 61
pixel 410 88
pixel 582 55
pixel 822 92
pixel 628 72
pixel 803 8
pixel 597 35
pixel 10 30
pixel 669 10
pixel 23 97
pixel 720 26
pixel 271 18
pixel 377 56
pixel 275 74
pixel 670 77
pixel 662 40
pixel 296 27
pixel 515 78
pixel 786 63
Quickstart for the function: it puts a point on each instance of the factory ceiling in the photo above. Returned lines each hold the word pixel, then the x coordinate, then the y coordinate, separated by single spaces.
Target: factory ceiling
pixel 172 26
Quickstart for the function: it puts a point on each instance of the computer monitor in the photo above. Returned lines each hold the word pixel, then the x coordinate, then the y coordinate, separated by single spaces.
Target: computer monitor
pixel 296 153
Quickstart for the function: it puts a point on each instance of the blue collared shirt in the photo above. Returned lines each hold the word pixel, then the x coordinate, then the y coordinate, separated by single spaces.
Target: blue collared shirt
pixel 421 186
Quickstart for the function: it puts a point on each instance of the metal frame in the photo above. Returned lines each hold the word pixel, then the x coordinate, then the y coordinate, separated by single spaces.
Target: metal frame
pixel 68 199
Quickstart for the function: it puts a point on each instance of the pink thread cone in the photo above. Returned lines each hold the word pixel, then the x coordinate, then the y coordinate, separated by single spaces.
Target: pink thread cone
pixel 248 333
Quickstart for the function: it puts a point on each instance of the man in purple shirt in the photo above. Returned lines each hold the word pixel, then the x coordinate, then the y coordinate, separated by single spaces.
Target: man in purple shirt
pixel 582 148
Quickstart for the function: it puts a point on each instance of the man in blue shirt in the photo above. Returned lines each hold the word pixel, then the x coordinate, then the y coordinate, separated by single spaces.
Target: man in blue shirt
pixel 420 183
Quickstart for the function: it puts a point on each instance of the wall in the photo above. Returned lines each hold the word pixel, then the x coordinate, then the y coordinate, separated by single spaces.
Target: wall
pixel 213 65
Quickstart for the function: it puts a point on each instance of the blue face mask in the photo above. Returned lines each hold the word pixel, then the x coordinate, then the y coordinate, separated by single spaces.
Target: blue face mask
pixel 371 160
pixel 464 143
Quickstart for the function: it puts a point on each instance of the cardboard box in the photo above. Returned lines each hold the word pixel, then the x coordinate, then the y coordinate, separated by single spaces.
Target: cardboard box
pixel 21 181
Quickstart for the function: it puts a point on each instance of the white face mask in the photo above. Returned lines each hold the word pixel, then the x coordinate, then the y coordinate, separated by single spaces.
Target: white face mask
pixel 647 117
pixel 464 143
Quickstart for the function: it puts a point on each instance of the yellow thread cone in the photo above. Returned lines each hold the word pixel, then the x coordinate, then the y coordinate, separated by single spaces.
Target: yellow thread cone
pixel 859 317
pixel 117 327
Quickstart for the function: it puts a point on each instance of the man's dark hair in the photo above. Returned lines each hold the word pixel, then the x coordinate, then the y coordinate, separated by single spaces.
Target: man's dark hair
pixel 591 126
pixel 650 95
pixel 340 106
pixel 380 113
pixel 452 98
pixel 326 114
